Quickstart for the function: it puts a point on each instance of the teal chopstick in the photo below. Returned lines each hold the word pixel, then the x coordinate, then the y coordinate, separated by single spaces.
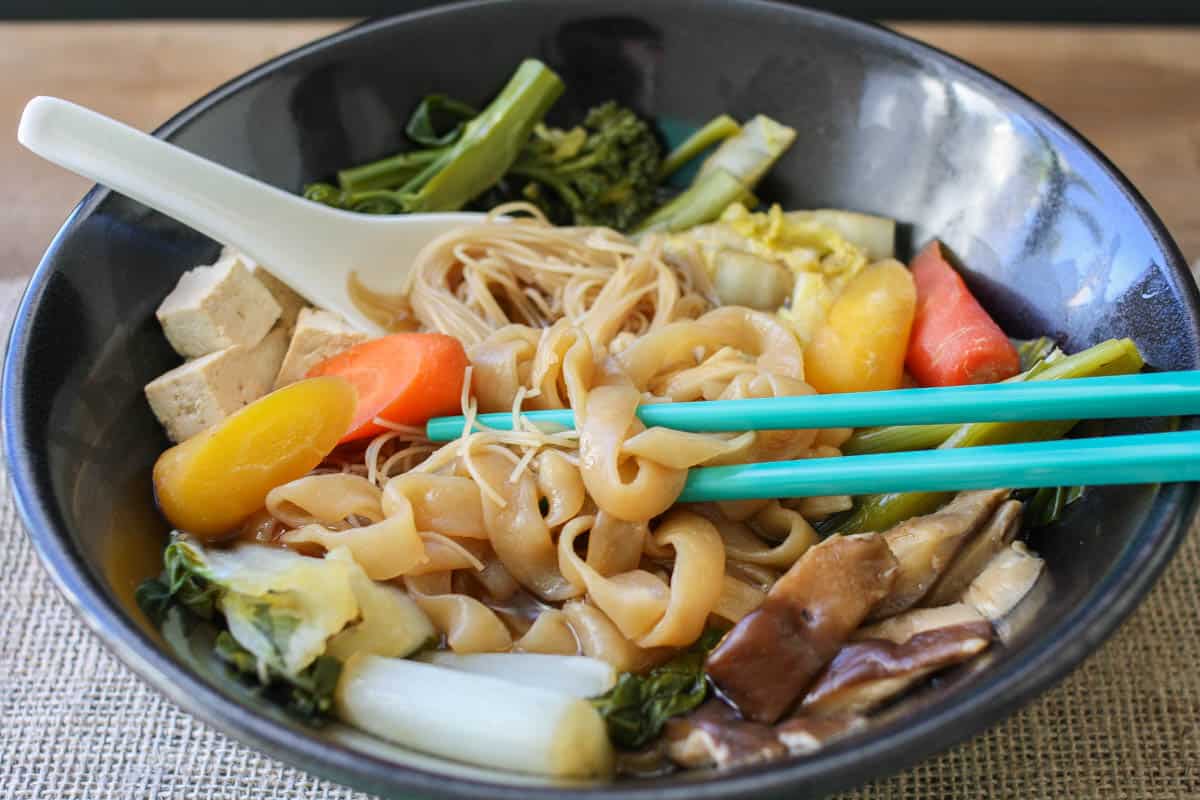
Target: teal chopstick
pixel 1149 395
pixel 1141 458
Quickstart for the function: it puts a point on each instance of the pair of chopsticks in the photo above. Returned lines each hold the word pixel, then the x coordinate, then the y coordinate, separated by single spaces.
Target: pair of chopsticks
pixel 1141 458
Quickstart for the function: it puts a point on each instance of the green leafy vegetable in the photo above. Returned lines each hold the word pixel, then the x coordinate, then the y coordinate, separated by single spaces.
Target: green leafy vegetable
pixel 421 128
pixel 636 709
pixel 308 694
pixel 1046 505
pixel 280 609
pixel 181 583
pixel 703 201
pixel 604 172
pixel 728 175
pixel 387 173
pixel 450 176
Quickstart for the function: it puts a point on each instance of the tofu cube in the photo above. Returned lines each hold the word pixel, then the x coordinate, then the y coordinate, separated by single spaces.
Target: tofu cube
pixel 319 335
pixel 216 307
pixel 197 395
pixel 289 301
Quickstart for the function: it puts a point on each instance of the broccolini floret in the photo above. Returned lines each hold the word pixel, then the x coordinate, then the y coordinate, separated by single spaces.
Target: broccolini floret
pixel 603 172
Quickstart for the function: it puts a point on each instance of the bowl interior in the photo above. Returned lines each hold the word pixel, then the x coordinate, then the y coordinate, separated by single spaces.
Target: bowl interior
pixel 1054 243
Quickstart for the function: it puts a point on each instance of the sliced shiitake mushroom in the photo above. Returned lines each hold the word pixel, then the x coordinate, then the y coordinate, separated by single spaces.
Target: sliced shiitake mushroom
pixel 868 673
pixel 1005 581
pixel 925 546
pixel 714 735
pixel 902 627
pixel 807 734
pixel 766 661
pixel 974 556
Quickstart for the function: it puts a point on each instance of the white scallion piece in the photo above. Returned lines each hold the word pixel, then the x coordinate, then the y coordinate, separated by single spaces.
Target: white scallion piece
pixel 474 718
pixel 578 676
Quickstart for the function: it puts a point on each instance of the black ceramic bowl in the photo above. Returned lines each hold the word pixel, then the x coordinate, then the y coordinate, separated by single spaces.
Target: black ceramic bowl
pixel 1056 241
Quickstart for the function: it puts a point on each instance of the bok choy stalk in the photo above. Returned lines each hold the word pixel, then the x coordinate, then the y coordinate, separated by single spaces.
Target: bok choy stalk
pixel 269 639
pixel 880 512
pixel 290 618
pixel 728 175
pixel 480 156
pixel 578 676
pixel 474 718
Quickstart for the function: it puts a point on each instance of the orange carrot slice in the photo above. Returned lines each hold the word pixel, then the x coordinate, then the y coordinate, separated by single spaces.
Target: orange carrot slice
pixel 953 340
pixel 404 378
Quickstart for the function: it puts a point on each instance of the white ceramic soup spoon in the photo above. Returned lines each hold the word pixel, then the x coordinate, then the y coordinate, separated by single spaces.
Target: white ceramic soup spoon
pixel 311 247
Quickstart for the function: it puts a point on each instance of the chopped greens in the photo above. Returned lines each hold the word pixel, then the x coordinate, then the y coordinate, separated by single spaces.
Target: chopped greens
pixel 636 709
pixel 1046 505
pixel 180 583
pixel 182 601
pixel 1033 351
pixel 308 694
pixel 288 620
pixel 607 171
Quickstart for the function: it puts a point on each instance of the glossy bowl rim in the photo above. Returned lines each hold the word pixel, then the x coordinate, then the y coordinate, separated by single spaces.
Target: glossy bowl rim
pixel 899 743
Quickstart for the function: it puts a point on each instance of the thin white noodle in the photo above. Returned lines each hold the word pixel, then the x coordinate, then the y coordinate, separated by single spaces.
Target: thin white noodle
pixel 410 430
pixel 371 455
pixel 434 536
pixel 473 470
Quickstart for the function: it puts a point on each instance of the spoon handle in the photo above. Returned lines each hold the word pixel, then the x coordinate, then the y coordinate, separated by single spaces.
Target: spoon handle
pixel 298 238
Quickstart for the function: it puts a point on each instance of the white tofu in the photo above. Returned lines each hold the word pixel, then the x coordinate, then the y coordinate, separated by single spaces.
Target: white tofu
pixel 289 301
pixel 216 307
pixel 197 395
pixel 319 335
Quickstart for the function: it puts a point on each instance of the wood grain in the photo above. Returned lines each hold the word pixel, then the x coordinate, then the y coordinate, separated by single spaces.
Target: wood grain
pixel 1135 92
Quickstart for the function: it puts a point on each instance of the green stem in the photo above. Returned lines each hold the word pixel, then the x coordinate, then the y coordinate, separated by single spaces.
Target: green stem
pixel 548 178
pixel 491 141
pixel 729 174
pixel 897 438
pixel 387 173
pixel 881 511
pixel 701 202
pixel 1113 357
pixel 715 130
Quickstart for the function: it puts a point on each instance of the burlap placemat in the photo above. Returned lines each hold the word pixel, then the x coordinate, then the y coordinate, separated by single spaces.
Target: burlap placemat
pixel 75 723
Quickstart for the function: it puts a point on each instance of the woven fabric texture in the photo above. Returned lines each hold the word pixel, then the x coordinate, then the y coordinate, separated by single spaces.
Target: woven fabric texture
pixel 75 723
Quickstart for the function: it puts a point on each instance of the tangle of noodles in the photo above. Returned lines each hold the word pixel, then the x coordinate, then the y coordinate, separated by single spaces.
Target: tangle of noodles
pixel 555 541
